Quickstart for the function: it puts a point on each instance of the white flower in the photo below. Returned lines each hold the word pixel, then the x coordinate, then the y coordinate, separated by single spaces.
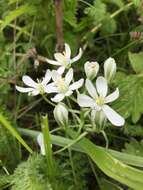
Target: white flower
pixel 62 86
pixel 109 69
pixel 61 114
pixel 40 141
pixel 35 88
pixel 64 59
pixel 91 69
pixel 99 100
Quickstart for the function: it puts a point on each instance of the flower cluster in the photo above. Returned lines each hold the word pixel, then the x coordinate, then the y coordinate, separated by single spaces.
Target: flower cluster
pixel 61 83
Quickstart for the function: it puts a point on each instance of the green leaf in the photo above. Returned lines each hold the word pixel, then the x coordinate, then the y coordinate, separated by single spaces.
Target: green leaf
pixel 137 2
pixel 61 141
pixel 13 131
pixel 130 101
pixel 110 166
pixel 119 3
pixel 23 9
pixel 134 147
pixel 136 60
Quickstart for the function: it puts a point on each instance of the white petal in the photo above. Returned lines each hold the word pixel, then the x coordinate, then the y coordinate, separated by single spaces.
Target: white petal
pixel 77 57
pixel 55 76
pixel 68 51
pixel 40 141
pixel 61 70
pixel 76 85
pixel 52 62
pixel 68 93
pixel 101 86
pixel 109 69
pixel 58 98
pixel 91 89
pixel 24 90
pixel 59 57
pixel 69 76
pixel 113 116
pixel 51 88
pixel 29 82
pixel 85 101
pixel 113 96
pixel 47 77
pixel 34 93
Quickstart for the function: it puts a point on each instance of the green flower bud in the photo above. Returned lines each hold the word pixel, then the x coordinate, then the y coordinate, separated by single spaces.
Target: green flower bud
pixel 109 69
pixel 61 114
pixel 91 69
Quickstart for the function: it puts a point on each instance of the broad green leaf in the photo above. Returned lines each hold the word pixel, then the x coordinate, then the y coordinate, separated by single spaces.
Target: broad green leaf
pixel 13 131
pixel 137 2
pixel 23 9
pixel 112 167
pixel 136 60
pixel 130 101
pixel 61 141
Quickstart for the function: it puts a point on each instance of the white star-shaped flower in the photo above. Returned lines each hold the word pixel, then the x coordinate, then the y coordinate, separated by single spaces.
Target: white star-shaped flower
pixel 99 99
pixel 35 88
pixel 64 60
pixel 62 86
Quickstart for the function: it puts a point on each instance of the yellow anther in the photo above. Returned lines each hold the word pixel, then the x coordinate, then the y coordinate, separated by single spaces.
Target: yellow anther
pixel 100 101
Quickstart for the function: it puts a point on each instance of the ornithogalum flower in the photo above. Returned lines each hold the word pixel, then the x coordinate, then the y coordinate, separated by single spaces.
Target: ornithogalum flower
pixel 35 88
pixel 98 100
pixel 64 60
pixel 62 86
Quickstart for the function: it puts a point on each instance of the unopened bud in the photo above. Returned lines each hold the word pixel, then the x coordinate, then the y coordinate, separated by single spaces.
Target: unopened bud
pixel 109 69
pixel 91 69
pixel 40 141
pixel 61 114
pixel 98 117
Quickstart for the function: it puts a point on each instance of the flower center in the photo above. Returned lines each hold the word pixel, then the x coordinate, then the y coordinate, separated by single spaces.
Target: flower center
pixel 61 85
pixel 100 101
pixel 41 89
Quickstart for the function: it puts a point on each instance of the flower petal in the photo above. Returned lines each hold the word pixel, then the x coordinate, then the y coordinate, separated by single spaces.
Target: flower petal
pixel 51 88
pixel 52 62
pixel 68 93
pixel 24 90
pixel 101 86
pixel 61 70
pixel 29 82
pixel 68 51
pixel 85 101
pixel 113 96
pixel 59 57
pixel 76 58
pixel 113 116
pixel 40 141
pixel 91 89
pixel 55 75
pixel 58 97
pixel 69 76
pixel 47 77
pixel 76 85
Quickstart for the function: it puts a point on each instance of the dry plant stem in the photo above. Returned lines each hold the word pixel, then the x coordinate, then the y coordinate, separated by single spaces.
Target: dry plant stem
pixel 59 25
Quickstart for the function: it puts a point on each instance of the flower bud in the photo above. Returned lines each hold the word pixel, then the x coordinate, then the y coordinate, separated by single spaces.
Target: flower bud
pixel 61 114
pixel 98 117
pixel 40 141
pixel 109 69
pixel 91 69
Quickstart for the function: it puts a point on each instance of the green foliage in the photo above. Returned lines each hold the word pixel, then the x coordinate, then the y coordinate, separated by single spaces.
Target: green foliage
pixel 133 130
pixel 107 185
pixel 9 150
pixel 98 14
pixel 31 175
pixel 134 147
pixel 5 181
pixel 136 60
pixel 130 101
